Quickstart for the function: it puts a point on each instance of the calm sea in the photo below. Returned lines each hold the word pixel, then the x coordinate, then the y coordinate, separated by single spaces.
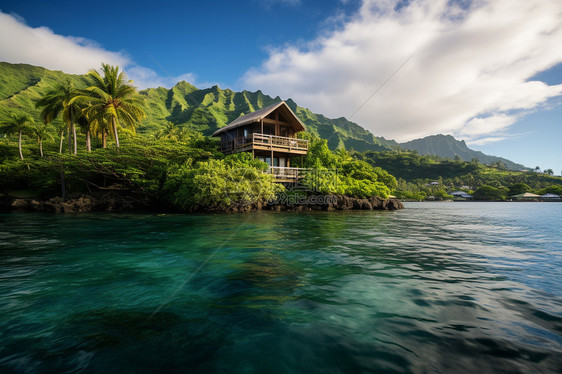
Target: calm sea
pixel 435 288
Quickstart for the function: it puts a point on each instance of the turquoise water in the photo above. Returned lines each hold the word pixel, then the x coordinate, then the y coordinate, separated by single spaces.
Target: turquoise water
pixel 435 288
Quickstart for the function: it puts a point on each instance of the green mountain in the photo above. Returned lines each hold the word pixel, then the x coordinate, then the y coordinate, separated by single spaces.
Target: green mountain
pixel 184 105
pixel 208 109
pixel 447 146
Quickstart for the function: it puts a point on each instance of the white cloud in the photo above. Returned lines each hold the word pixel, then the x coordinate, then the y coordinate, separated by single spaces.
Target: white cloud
pixel 488 140
pixel 42 47
pixel 468 75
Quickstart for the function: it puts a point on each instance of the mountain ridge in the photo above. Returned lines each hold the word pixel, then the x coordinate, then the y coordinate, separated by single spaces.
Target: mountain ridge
pixel 208 109
pixel 447 146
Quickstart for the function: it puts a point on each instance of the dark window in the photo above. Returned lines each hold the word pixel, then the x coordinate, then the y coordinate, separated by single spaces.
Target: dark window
pixel 269 129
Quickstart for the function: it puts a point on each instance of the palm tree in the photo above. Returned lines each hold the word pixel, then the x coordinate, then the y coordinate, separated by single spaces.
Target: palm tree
pixel 112 98
pixel 60 128
pixel 18 124
pixel 59 100
pixel 86 125
pixel 170 131
pixel 41 133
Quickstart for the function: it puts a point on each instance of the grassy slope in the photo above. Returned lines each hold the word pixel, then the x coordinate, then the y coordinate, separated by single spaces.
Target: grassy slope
pixel 203 110
pixel 415 168
pixel 21 85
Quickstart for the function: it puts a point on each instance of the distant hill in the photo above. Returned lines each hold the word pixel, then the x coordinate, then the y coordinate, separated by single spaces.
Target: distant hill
pixel 185 105
pixel 447 146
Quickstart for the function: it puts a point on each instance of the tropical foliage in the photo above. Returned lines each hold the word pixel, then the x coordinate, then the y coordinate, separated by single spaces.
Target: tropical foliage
pixel 236 182
pixel 18 124
pixel 58 101
pixel 339 173
pixel 111 99
pixel 172 162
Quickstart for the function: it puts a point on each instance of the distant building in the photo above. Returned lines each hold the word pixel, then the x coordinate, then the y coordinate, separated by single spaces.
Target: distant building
pixel 460 195
pixel 527 196
pixel 550 197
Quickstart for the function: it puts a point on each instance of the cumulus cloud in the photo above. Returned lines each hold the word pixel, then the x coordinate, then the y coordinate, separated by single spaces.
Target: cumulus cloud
pixel 467 71
pixel 42 47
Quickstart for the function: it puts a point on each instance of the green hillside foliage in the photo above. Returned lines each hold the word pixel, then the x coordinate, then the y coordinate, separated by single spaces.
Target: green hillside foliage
pixel 172 160
pixel 421 176
pixel 184 105
pixel 340 173
pixel 22 85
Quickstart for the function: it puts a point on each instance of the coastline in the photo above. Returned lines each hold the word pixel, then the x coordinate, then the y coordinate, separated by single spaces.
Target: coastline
pixel 118 203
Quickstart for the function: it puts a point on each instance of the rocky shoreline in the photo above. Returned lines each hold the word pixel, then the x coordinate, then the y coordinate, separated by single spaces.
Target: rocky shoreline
pixel 117 203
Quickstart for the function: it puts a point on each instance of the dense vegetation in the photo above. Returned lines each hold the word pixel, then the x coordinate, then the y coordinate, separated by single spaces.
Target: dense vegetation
pixel 153 147
pixel 176 166
pixel 184 107
pixel 420 176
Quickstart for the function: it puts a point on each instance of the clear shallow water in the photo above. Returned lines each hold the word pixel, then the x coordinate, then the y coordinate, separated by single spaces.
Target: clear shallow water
pixel 435 288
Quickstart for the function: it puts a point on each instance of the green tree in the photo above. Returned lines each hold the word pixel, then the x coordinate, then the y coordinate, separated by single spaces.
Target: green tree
pixel 41 132
pixel 113 98
pixel 554 189
pixel 489 193
pixel 18 124
pixel 549 171
pixel 59 100
pixel 519 188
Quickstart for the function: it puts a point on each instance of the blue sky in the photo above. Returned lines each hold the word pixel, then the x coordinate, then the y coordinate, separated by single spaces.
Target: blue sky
pixel 488 72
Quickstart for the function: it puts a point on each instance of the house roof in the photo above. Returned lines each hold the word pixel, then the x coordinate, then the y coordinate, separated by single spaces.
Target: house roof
pixel 457 193
pixel 526 194
pixel 260 114
pixel 551 196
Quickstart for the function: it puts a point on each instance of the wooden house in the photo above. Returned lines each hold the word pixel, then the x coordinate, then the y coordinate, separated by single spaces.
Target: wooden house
pixel 270 135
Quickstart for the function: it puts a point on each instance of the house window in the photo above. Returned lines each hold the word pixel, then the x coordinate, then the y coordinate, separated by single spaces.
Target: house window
pixel 275 161
pixel 267 160
pixel 269 129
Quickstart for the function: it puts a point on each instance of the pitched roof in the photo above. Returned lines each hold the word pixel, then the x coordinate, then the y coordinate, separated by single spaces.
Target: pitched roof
pixel 257 116
pixel 526 194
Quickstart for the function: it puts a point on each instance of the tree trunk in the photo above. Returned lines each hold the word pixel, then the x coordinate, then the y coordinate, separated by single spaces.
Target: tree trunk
pixel 104 139
pixel 61 139
pixel 75 140
pixel 88 141
pixel 69 140
pixel 114 125
pixel 19 146
pixel 40 146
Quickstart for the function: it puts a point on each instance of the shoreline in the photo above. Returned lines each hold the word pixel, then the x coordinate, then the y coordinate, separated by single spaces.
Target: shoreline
pixel 112 203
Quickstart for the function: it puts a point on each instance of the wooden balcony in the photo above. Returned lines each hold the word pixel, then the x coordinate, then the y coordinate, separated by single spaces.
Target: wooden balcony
pixel 262 142
pixel 285 174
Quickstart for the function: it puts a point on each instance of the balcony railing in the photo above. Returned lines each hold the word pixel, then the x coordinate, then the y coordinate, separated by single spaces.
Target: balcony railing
pixel 286 173
pixel 265 142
